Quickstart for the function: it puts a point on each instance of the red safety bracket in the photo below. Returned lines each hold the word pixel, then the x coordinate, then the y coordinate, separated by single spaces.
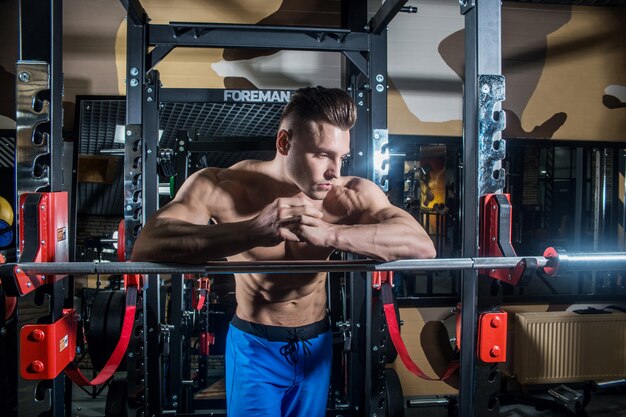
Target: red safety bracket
pixel 43 231
pixel 495 237
pixel 204 288
pixel 46 349
pixel 133 280
pixel 204 284
pixel 381 277
pixel 492 336
pixel 206 339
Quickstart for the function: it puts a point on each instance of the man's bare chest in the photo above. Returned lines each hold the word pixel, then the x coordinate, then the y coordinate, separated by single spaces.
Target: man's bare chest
pixel 333 213
pixel 283 251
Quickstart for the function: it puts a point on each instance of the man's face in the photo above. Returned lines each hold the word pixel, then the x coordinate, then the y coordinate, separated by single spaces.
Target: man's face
pixel 315 155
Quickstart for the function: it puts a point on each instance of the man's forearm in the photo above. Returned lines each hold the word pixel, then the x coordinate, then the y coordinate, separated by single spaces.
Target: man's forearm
pixel 383 241
pixel 172 240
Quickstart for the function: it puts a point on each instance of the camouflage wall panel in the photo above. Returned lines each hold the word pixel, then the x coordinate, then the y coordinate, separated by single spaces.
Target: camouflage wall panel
pixel 582 77
pixel 564 65
pixel 425 94
pixel 239 68
pixel 564 68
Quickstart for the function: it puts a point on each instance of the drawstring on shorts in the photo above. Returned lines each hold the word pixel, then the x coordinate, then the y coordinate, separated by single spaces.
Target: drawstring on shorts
pixel 290 350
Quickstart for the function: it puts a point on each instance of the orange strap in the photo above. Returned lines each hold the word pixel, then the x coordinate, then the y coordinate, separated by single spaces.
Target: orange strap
pixel 396 338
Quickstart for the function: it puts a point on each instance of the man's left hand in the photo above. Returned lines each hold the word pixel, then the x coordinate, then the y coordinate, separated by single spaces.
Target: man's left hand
pixel 314 231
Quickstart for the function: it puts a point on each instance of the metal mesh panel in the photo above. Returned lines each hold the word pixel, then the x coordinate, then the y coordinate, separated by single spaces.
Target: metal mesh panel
pixel 218 119
pixel 97 122
pixel 98 119
pixel 226 159
pixel 96 129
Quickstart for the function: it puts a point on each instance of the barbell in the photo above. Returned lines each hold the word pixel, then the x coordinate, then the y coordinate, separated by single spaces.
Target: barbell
pixel 554 261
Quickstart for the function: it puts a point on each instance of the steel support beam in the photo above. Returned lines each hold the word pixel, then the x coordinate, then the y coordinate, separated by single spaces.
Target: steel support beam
pixel 578 196
pixel 263 37
pixel 150 204
pixel 39 167
pixel 482 56
pixel 138 359
pixel 176 357
pixel 384 15
pixel 134 11
pixel 357 290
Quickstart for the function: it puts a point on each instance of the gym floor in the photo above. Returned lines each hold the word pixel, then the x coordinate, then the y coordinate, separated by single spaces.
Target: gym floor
pixel 607 404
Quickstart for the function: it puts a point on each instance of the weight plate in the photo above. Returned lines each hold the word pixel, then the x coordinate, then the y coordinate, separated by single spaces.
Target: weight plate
pixel 105 326
pixel 379 321
pixel 393 394
pixel 117 398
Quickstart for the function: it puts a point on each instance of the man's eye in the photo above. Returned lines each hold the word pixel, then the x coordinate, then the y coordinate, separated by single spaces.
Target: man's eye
pixel 322 155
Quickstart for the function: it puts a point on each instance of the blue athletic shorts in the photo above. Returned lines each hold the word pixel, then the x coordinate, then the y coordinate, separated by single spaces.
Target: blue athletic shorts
pixel 277 371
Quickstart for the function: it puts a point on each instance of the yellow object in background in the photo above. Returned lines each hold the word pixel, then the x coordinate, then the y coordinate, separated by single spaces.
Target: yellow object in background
pixel 6 211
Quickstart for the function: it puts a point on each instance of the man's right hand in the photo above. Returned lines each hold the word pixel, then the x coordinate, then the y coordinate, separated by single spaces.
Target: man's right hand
pixel 272 225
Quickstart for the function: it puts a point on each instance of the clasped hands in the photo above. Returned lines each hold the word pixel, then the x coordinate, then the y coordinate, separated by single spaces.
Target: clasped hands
pixel 292 219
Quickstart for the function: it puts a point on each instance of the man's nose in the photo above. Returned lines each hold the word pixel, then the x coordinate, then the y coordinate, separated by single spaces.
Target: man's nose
pixel 334 169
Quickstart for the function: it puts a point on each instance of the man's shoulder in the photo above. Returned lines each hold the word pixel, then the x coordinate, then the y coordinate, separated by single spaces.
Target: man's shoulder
pixel 354 196
pixel 357 184
pixel 213 182
pixel 238 180
pixel 220 177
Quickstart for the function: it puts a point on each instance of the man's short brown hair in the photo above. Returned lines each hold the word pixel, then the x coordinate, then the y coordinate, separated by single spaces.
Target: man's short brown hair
pixel 320 104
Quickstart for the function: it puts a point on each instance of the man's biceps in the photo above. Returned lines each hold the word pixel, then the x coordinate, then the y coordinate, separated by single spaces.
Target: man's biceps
pixel 182 212
pixel 390 212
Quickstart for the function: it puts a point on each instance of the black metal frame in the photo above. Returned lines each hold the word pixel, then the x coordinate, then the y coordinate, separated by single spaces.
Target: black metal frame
pixel 39 167
pixel 366 53
pixel 479 382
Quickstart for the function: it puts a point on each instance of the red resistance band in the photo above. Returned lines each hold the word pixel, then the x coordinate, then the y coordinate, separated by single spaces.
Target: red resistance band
pixel 120 349
pixel 204 288
pixel 199 303
pixel 396 338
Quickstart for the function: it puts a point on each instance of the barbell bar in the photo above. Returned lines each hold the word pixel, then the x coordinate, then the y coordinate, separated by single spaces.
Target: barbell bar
pixel 554 261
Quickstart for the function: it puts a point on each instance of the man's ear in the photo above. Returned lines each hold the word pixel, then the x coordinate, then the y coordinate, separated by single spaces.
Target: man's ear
pixel 282 142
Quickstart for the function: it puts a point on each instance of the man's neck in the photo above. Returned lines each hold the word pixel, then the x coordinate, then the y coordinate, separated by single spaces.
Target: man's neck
pixel 282 185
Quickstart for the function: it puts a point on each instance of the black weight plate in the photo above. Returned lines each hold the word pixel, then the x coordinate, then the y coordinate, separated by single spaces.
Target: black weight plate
pixel 393 394
pixel 379 321
pixel 105 326
pixel 117 398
